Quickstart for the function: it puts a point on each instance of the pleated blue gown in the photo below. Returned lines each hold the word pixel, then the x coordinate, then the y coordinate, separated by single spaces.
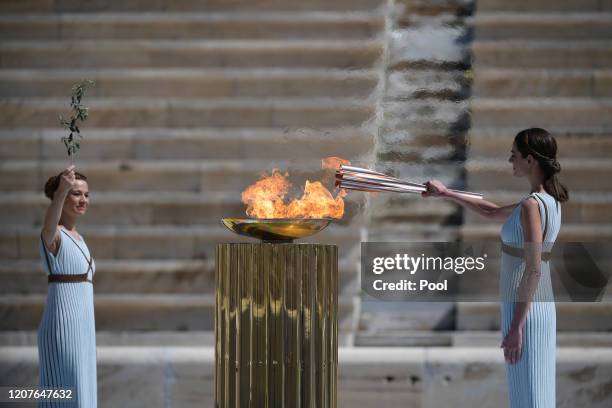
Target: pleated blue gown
pixel 531 381
pixel 67 333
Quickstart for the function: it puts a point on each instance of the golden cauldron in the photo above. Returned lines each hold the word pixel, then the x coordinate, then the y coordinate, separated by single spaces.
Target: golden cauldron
pixel 276 229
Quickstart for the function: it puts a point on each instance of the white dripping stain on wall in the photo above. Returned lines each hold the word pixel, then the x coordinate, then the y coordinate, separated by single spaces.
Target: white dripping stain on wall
pixel 424 111
pixel 423 115
pixel 431 40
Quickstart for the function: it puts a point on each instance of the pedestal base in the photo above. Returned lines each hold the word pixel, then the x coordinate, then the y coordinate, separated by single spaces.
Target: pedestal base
pixel 276 325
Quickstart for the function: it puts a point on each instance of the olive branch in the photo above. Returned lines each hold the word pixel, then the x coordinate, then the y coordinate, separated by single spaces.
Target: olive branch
pixel 79 113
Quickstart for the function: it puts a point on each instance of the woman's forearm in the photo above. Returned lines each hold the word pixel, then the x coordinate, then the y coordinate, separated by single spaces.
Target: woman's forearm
pixel 526 291
pixel 52 216
pixel 480 206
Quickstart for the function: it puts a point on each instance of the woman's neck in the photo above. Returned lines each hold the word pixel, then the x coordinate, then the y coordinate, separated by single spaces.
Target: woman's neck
pixel 68 223
pixel 538 189
pixel 536 181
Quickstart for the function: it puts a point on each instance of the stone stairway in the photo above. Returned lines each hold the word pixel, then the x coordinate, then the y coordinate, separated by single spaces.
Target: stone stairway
pixel 193 101
pixel 545 64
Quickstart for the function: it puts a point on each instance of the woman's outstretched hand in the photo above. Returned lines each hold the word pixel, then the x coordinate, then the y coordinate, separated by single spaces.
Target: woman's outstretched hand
pixel 513 345
pixel 67 179
pixel 435 188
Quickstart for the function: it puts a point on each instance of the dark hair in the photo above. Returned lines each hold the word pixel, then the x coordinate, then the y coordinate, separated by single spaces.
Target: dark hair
pixel 543 147
pixel 52 184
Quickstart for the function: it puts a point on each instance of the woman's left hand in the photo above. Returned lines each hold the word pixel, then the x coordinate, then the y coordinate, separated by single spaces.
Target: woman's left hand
pixel 513 345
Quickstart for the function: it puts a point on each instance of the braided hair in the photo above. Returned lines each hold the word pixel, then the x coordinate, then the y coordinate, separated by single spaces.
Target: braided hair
pixel 542 146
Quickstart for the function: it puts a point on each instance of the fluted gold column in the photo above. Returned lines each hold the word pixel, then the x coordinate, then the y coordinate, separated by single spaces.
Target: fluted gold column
pixel 276 325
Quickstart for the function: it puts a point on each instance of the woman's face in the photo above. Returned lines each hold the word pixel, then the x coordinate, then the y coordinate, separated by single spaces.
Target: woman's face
pixel 77 199
pixel 520 165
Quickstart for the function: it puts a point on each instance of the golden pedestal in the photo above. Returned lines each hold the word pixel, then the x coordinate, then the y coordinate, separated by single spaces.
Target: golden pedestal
pixel 276 334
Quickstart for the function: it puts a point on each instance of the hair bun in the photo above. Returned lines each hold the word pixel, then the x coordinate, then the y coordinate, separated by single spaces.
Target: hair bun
pixel 51 185
pixel 555 165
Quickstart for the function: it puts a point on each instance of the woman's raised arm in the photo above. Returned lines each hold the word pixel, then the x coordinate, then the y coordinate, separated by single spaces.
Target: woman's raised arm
pixel 54 211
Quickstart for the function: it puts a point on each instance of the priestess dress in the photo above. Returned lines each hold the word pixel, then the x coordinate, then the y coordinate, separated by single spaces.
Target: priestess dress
pixel 67 333
pixel 531 381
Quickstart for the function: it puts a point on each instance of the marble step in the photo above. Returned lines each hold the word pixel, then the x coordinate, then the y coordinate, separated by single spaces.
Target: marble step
pixel 542 25
pixel 577 174
pixel 190 143
pixel 423 115
pixel 190 25
pixel 431 142
pixel 391 208
pixel 152 338
pixel 117 312
pixel 398 231
pixel 53 6
pixel 25 277
pixel 544 112
pixel 413 338
pixel 545 6
pixel 132 338
pixel 158 242
pixel 182 112
pixel 209 175
pixel 583 207
pixel 573 317
pixel 403 85
pixel 415 12
pixel 76 54
pixel 368 377
pixel 397 338
pixel 585 143
pixel 380 316
pixel 145 208
pixel 191 83
pixel 505 83
pixel 542 54
pixel 569 232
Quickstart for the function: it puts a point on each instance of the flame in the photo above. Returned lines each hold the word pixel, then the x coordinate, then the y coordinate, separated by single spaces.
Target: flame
pixel 266 197
pixel 317 202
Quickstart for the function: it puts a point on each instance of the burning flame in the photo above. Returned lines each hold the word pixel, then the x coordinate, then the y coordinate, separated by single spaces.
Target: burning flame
pixel 266 197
